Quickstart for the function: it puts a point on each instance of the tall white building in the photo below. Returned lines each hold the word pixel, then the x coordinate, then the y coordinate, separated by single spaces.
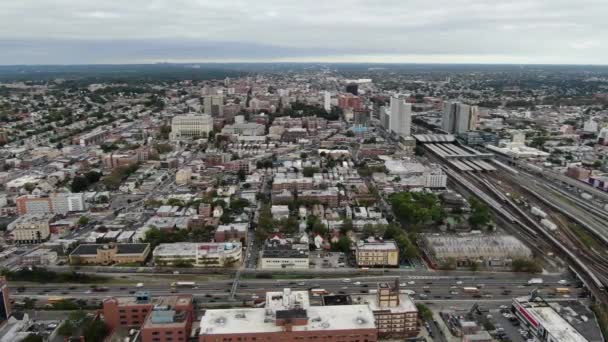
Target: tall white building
pixel 191 126
pixel 327 101
pixel 590 126
pixel 459 117
pixel 400 120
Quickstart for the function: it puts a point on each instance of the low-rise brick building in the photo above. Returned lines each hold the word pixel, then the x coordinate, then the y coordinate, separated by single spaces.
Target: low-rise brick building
pixel 107 254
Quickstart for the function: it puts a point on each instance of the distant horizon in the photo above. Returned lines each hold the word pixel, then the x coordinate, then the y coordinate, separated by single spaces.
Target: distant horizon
pixel 298 62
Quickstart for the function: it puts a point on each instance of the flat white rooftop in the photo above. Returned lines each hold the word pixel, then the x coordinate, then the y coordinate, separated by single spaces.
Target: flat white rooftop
pixel 261 320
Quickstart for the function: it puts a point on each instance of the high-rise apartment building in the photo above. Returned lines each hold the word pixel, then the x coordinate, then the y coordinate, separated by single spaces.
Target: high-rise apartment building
pixel 214 105
pixel 459 117
pixel 327 101
pixel 400 121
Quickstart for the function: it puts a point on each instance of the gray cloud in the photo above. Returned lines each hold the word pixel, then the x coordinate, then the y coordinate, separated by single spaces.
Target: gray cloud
pixel 133 31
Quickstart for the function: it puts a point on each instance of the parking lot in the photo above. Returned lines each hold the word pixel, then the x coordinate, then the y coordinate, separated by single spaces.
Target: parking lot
pixel 507 325
pixel 323 259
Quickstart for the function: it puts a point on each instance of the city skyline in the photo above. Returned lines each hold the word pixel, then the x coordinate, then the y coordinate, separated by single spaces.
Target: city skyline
pixel 467 31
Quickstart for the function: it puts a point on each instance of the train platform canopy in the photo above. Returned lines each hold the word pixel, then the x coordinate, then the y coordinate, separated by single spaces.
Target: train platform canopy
pixel 434 138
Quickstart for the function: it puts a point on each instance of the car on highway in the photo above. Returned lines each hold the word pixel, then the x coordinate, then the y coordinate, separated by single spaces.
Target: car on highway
pixel 346 280
pixel 357 283
pixel 301 283
pixel 411 282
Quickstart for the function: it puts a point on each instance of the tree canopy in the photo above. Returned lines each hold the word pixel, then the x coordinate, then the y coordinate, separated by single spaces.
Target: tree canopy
pixel 417 207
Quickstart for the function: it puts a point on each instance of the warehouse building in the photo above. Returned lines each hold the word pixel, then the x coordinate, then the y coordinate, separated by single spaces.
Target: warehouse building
pixel 491 251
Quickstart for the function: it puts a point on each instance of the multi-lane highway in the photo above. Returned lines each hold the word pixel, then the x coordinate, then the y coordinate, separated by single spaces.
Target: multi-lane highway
pixel 430 288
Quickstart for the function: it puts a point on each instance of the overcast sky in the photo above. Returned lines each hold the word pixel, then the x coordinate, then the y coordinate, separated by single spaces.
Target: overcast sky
pixel 420 31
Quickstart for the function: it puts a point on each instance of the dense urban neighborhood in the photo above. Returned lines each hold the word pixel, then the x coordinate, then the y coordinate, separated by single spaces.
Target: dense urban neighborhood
pixel 312 202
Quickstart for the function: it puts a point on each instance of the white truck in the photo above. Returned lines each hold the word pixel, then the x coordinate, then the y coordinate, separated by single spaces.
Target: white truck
pixel 535 281
pixel 537 212
pixel 548 224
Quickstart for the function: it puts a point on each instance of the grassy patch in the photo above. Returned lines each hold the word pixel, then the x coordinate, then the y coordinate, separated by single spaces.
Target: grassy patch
pixel 586 238
pixel 42 275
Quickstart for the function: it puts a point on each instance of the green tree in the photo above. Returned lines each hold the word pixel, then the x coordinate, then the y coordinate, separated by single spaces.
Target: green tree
pixel 417 207
pixel 347 226
pixel 83 220
pixel 424 312
pixel 343 245
pixel 33 338
pixel 79 184
pixel 92 177
pixel 474 267
pixel 238 205
pixel 350 134
pixel 67 329
pixel 265 223
pixel 315 226
pixel 526 265
pixel 164 132
pixel 29 187
pixel 96 330
pixel 175 202
pixel 309 171
pixel 480 213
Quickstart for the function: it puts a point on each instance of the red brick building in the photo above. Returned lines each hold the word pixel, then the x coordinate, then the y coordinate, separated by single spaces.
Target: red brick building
pixel 161 319
pixel 349 101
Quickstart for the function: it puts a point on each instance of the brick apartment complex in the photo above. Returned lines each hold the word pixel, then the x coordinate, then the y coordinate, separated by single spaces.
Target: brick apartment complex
pixel 377 253
pixel 327 197
pixel 162 319
pixel 236 232
pixel 294 184
pixel 349 101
